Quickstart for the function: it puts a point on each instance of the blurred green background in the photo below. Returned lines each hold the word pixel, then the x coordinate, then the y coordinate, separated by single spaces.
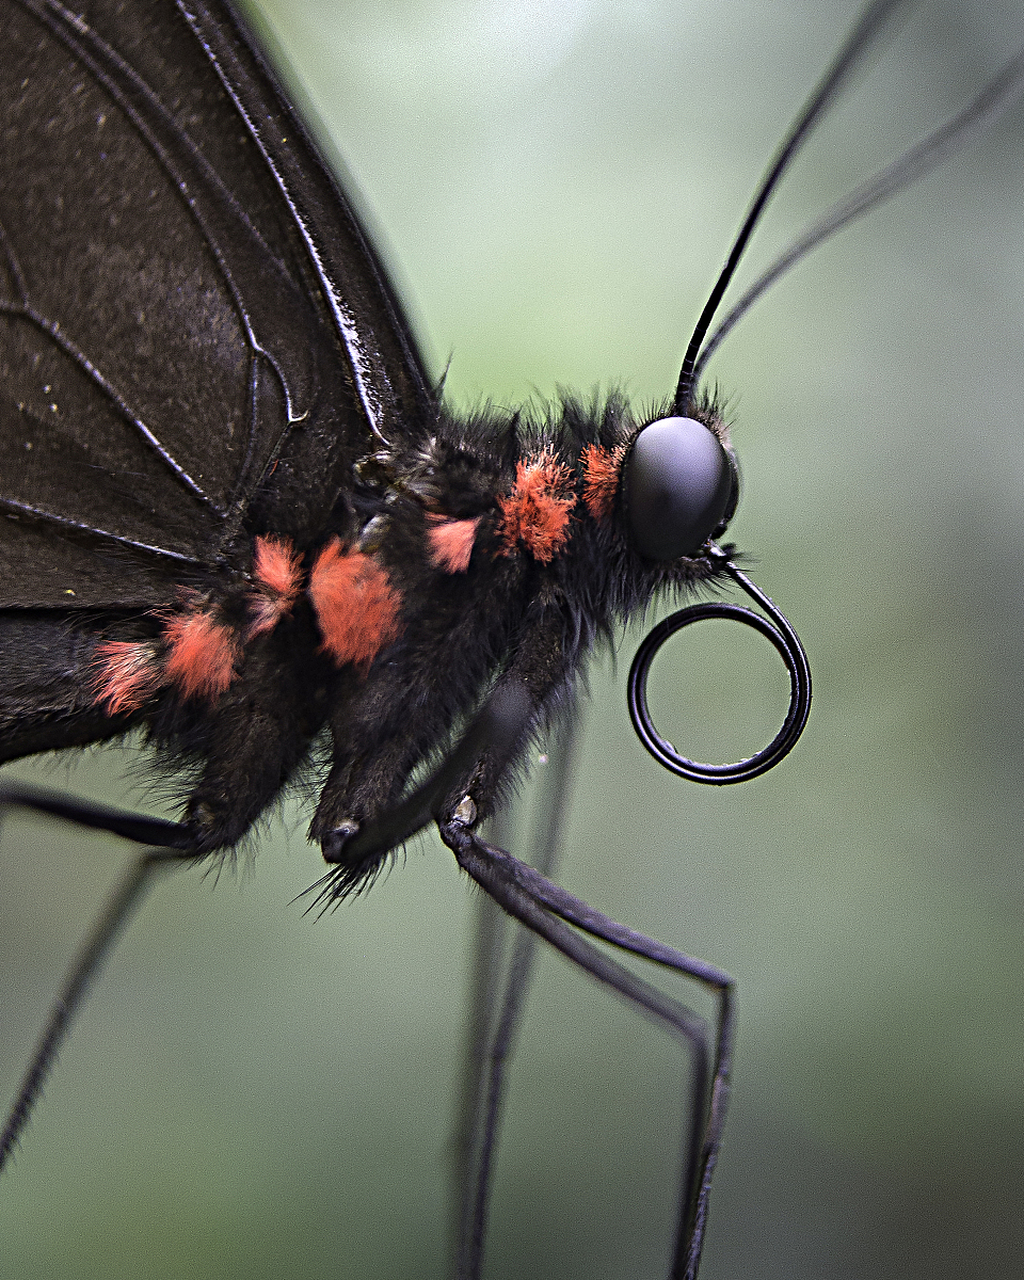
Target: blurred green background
pixel 252 1092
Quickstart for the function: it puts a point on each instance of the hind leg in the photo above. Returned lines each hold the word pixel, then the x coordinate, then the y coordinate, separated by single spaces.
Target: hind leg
pixel 170 846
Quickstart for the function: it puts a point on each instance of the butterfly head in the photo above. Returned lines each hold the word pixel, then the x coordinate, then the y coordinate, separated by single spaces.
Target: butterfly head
pixel 681 488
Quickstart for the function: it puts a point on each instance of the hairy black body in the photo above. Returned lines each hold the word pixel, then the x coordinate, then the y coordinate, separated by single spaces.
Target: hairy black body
pixel 280 432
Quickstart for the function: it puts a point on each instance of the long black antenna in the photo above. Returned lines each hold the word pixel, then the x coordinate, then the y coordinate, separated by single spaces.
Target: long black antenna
pixel 868 26
pixel 951 137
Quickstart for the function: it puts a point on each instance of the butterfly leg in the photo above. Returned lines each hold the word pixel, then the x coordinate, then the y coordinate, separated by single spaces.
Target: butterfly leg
pixel 172 847
pixel 464 788
pixel 549 911
pixel 362 813
pixel 498 1000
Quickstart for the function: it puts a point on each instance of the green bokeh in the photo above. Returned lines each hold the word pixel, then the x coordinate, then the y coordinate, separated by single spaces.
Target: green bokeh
pixel 251 1092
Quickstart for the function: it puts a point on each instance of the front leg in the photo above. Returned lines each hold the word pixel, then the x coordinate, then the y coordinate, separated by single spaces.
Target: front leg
pixel 536 683
pixel 466 786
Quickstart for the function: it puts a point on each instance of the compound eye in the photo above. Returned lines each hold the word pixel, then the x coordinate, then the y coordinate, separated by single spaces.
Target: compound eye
pixel 681 487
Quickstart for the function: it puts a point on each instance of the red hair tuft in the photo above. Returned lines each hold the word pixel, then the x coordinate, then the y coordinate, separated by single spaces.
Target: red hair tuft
pixel 125 676
pixel 201 655
pixel 601 469
pixel 276 564
pixel 277 567
pixel 536 512
pixel 355 604
pixel 451 542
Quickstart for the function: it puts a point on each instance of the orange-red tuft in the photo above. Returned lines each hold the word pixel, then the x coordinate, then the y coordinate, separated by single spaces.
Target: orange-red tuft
pixel 601 478
pixel 201 655
pixel 277 568
pixel 126 675
pixel 355 604
pixel 536 512
pixel 451 542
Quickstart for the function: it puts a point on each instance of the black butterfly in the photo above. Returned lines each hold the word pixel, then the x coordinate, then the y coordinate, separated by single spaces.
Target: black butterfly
pixel 317 570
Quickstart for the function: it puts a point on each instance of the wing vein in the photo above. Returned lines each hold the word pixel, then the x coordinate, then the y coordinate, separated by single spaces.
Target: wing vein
pixel 53 331
pixel 17 508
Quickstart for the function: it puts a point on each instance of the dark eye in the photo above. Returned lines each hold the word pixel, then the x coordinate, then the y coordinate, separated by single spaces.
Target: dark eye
pixel 681 488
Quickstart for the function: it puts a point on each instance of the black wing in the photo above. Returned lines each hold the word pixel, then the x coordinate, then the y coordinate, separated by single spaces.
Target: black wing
pixel 196 337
